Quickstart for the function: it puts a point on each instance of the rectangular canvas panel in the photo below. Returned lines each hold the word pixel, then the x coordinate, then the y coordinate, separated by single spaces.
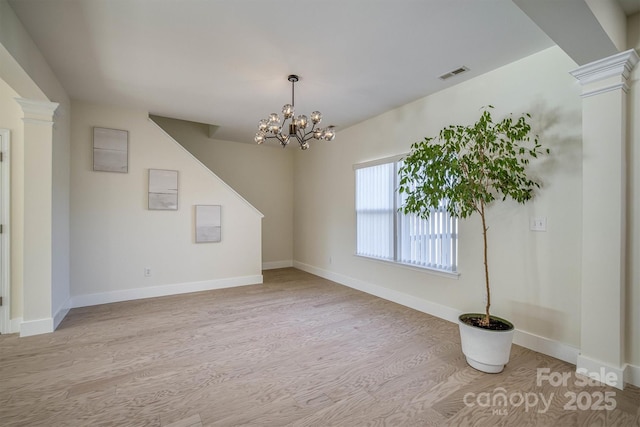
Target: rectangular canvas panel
pixel 110 150
pixel 208 223
pixel 163 189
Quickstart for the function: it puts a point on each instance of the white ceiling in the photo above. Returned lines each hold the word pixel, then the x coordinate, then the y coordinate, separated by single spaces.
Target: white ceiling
pixel 225 62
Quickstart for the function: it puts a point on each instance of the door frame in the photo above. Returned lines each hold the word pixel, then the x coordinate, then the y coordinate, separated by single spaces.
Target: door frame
pixel 5 238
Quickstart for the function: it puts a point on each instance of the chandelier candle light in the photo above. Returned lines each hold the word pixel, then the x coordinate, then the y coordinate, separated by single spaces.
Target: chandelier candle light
pixel 298 126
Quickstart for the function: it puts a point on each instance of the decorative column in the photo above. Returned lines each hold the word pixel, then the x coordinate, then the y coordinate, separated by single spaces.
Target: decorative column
pixel 38 189
pixel 604 207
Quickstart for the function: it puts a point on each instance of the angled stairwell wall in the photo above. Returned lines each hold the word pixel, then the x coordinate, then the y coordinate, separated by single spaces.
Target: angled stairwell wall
pixel 115 237
pixel 261 174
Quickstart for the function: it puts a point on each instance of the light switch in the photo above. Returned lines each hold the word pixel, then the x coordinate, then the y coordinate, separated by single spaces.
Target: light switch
pixel 538 224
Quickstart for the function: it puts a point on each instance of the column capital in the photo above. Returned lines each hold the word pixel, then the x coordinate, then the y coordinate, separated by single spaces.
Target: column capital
pixel 615 68
pixel 37 112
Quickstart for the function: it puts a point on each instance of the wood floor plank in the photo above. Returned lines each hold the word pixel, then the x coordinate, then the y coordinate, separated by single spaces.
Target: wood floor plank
pixel 297 350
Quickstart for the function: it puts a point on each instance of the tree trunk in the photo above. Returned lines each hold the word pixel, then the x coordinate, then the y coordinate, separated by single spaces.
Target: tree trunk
pixel 486 319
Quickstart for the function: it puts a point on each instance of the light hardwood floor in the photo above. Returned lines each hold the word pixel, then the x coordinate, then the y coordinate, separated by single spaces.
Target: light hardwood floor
pixel 298 350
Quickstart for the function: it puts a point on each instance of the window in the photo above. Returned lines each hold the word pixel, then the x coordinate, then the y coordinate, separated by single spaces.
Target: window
pixel 383 232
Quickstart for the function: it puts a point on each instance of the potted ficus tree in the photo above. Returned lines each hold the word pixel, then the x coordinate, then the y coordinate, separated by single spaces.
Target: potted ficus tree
pixel 471 167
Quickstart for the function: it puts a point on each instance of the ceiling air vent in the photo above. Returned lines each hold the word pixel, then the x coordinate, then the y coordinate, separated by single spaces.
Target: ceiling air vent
pixel 453 73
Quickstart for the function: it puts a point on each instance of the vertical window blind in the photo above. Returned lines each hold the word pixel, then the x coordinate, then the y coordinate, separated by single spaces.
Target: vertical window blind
pixel 375 209
pixel 384 232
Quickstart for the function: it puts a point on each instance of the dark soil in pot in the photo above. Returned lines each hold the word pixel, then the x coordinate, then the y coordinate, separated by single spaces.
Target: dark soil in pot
pixel 495 323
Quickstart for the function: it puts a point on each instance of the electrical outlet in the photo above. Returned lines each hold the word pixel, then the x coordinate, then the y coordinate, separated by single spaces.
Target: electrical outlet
pixel 538 224
pixel 147 272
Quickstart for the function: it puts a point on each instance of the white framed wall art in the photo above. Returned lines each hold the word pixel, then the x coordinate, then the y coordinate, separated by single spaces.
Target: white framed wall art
pixel 163 190
pixel 110 150
pixel 208 223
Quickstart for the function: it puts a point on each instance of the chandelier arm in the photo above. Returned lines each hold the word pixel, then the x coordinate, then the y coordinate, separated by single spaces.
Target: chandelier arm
pixel 276 136
pixel 311 131
pixel 308 135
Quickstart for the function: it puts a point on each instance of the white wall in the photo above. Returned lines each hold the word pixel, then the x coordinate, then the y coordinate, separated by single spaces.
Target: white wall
pixel 114 236
pixel 16 49
pixel 535 276
pixel 633 255
pixel 61 193
pixel 261 174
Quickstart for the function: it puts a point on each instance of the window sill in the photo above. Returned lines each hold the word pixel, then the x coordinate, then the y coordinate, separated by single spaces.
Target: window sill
pixel 428 270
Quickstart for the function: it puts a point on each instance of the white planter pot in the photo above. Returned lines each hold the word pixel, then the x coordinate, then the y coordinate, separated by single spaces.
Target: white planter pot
pixel 486 350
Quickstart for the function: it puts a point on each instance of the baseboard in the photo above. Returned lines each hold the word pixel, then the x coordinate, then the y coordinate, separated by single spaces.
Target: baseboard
pixel 546 346
pixel 36 327
pixel 40 326
pixel 14 326
pixel 525 339
pixel 610 375
pixel 61 313
pixel 163 290
pixel 406 300
pixel 272 265
pixel 632 375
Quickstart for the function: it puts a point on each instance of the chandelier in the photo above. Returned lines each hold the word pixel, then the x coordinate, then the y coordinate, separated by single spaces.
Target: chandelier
pixel 298 127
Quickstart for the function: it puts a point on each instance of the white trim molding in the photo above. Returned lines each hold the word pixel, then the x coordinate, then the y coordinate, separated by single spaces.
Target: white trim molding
pixel 61 313
pixel 376 162
pixel 600 371
pixel 546 346
pixel 617 66
pixel 14 328
pixel 38 112
pixel 162 290
pixel 36 327
pixel 272 265
pixel 604 89
pixel 632 375
pixel 407 300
